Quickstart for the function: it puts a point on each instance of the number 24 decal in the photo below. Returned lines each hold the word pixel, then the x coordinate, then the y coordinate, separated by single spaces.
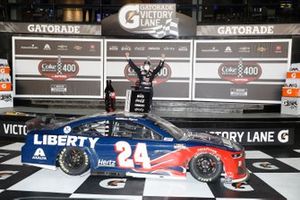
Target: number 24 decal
pixel 140 155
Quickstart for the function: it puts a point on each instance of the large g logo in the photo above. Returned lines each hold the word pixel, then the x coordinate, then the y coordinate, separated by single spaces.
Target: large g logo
pixel 240 187
pixel 283 136
pixel 129 16
pixel 113 183
pixel 265 165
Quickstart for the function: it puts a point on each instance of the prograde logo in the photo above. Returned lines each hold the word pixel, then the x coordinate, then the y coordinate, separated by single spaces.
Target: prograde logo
pixel 240 72
pixel 58 69
pixel 246 30
pixel 162 77
pixel 157 20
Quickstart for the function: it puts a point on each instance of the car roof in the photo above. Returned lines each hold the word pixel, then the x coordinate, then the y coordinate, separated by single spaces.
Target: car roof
pixel 122 114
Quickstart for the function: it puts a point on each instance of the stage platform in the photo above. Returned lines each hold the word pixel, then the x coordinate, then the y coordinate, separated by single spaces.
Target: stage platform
pixel 250 128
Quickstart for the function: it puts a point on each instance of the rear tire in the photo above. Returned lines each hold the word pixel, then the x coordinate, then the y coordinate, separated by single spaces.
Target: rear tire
pixel 206 167
pixel 73 161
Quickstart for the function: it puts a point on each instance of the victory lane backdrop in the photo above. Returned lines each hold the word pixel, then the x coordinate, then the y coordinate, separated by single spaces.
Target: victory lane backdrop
pixel 173 81
pixel 57 67
pixel 220 70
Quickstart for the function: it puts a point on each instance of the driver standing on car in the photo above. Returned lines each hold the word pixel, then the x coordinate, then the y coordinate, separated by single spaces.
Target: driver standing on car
pixel 146 73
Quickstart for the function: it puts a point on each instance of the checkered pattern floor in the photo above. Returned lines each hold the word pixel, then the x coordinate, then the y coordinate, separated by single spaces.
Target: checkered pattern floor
pixel 275 174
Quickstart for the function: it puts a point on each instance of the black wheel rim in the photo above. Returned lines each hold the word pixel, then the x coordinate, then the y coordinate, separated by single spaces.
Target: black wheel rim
pixel 74 159
pixel 206 165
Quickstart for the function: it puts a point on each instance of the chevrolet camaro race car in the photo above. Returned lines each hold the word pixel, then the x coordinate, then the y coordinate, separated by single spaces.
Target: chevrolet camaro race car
pixel 130 144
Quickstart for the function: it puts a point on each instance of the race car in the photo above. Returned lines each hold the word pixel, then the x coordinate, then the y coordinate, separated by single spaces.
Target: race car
pixel 131 144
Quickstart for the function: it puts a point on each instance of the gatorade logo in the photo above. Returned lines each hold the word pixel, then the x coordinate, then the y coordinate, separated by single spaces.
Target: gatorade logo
pixel 113 183
pixel 283 136
pixel 265 165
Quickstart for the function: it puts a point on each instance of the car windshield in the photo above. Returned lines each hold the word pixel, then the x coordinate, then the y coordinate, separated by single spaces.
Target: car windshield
pixel 176 132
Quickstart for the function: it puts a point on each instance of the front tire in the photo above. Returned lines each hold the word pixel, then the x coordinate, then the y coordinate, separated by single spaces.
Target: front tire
pixel 73 161
pixel 206 167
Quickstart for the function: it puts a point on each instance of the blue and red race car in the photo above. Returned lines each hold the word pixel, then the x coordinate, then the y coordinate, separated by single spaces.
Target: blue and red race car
pixel 130 144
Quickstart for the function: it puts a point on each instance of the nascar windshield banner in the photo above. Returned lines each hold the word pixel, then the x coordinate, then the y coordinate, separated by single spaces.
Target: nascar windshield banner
pixel 174 79
pixel 240 70
pixel 57 67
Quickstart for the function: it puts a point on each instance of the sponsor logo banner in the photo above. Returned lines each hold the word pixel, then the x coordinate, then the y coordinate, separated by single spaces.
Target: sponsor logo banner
pixel 243 30
pixel 58 67
pixel 39 28
pixel 259 136
pixel 238 70
pixel 157 20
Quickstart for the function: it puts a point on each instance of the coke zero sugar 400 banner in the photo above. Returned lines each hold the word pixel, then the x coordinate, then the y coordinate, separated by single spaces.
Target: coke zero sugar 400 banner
pixel 174 79
pixel 58 67
pixel 240 70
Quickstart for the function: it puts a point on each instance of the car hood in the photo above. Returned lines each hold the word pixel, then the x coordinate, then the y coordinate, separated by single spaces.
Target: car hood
pixel 212 139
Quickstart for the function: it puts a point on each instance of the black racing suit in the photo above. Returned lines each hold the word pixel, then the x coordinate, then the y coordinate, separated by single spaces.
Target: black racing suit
pixel 146 77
